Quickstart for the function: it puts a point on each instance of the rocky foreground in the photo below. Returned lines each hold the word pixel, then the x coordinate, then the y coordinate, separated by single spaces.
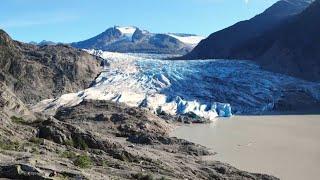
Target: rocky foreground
pixel 92 140
pixel 103 140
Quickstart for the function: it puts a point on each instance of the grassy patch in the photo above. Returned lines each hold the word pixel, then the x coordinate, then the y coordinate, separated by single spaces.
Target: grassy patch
pixel 10 145
pixel 83 161
pixel 36 140
pixel 105 163
pixel 69 143
pixel 68 154
pixel 18 120
pixel 35 150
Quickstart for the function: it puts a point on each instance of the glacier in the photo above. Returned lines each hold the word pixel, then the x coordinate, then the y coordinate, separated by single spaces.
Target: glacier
pixel 138 81
pixel 205 88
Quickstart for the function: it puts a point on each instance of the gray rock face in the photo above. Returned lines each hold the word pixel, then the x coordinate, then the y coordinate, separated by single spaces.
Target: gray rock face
pixel 34 73
pixel 21 171
pixel 11 105
pixel 67 134
pixel 121 120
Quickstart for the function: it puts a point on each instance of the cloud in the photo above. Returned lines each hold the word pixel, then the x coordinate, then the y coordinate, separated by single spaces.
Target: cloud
pixel 246 1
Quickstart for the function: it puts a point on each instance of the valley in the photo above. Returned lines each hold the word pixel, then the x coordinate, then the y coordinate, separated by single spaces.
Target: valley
pixel 193 98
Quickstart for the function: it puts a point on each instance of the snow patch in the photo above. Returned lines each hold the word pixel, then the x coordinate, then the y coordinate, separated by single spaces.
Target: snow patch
pixel 190 40
pixel 127 31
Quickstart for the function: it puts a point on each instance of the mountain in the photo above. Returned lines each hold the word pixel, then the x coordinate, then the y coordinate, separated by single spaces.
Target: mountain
pixel 40 72
pixel 135 40
pixel 219 45
pixel 292 48
pixel 45 42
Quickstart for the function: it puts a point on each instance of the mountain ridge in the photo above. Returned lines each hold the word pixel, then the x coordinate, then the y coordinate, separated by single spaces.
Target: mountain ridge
pixel 219 44
pixel 291 48
pixel 131 39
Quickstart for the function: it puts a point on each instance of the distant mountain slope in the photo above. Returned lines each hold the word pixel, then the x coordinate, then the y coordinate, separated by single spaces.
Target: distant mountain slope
pixel 132 39
pixel 293 48
pixel 34 72
pixel 45 42
pixel 221 43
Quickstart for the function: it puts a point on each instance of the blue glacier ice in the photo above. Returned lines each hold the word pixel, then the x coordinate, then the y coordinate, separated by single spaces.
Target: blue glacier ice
pixel 223 109
pixel 206 88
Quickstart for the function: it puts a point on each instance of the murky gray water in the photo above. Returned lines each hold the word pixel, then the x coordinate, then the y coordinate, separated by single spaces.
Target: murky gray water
pixel 285 146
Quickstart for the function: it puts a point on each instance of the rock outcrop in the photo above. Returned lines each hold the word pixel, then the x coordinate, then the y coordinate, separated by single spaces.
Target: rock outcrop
pixel 11 105
pixel 21 171
pixel 34 72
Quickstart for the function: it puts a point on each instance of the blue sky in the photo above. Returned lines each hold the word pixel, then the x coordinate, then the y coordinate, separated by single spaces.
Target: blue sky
pixel 74 20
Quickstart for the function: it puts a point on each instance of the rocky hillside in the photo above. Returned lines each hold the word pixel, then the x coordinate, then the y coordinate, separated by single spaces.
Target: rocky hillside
pixel 292 48
pixel 103 140
pixel 219 45
pixel 135 40
pixel 41 72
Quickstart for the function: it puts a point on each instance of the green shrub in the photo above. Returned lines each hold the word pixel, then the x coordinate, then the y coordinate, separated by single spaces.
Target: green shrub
pixel 80 143
pixel 83 161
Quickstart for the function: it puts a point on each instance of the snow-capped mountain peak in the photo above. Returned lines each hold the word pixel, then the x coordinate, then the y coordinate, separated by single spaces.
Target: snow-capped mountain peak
pixel 131 39
pixel 127 30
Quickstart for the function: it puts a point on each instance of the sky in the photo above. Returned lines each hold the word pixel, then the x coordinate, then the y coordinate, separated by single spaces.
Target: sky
pixel 75 20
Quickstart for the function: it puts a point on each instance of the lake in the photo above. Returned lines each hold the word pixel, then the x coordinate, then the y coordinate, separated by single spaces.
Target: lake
pixel 286 146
